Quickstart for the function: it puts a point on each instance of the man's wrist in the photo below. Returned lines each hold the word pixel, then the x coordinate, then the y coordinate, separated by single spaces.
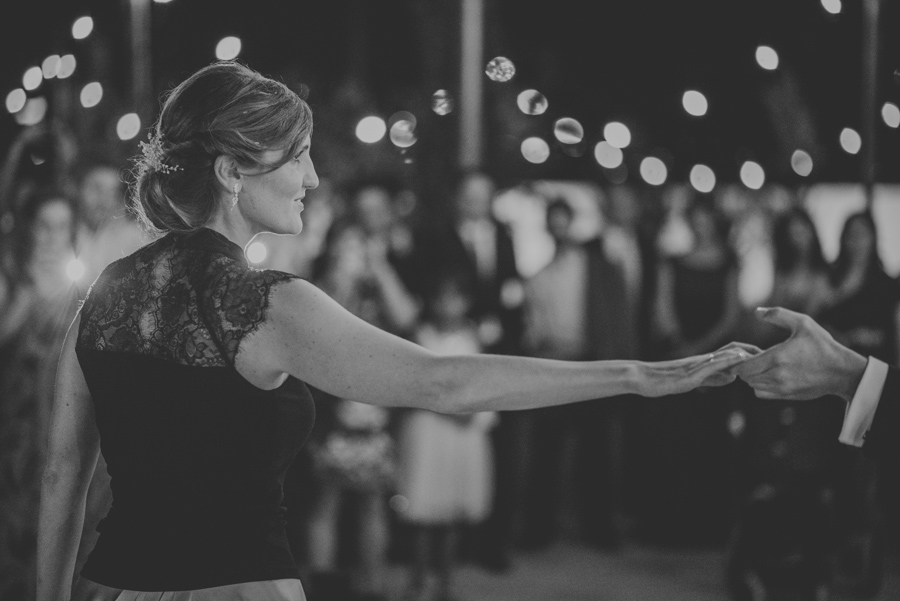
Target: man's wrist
pixel 852 368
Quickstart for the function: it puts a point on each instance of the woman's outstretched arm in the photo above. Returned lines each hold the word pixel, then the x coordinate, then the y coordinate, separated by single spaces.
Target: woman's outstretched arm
pixel 311 337
pixel 74 446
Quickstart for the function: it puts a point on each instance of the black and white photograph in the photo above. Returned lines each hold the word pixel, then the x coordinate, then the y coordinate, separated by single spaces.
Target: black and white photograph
pixel 449 300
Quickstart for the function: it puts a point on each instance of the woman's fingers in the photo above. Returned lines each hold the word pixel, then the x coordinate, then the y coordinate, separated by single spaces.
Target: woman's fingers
pixel 750 349
pixel 713 369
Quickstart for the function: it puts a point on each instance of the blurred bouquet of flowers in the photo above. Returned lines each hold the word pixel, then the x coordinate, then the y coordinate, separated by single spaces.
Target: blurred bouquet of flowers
pixel 359 453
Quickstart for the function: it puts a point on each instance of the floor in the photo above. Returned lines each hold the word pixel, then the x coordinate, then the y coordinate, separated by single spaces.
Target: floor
pixel 567 572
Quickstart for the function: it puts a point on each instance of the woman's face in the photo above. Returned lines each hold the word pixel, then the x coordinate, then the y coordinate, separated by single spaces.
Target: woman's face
pixel 272 202
pixel 51 232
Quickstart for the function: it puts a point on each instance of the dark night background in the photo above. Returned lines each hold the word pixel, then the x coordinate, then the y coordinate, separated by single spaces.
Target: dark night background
pixel 611 60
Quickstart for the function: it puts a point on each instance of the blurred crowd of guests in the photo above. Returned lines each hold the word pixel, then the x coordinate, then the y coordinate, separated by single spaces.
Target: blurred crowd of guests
pixel 641 280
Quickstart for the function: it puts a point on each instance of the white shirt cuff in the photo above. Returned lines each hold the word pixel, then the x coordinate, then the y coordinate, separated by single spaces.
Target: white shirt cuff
pixel 861 410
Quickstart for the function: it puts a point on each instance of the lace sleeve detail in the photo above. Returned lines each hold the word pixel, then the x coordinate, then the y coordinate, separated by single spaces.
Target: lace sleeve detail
pixel 235 305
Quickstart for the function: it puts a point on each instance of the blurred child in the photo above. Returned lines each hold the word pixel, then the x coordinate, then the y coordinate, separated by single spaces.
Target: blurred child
pixel 445 463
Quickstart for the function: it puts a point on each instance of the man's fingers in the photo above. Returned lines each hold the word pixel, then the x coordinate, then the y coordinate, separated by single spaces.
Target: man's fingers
pixel 781 317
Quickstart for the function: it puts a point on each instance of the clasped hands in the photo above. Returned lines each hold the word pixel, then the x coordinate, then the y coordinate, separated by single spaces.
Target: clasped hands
pixel 808 365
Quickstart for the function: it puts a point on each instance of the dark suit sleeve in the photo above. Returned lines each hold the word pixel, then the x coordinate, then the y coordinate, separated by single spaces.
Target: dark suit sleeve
pixel 883 438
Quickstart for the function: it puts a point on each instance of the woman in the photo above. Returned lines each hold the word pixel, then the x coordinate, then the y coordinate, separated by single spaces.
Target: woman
pixel 37 302
pixel 697 310
pixel 863 316
pixel 801 272
pixel 358 275
pixel 193 366
pixel 863 312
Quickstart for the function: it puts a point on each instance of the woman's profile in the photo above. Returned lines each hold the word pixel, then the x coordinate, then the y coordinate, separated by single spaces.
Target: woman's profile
pixel 189 368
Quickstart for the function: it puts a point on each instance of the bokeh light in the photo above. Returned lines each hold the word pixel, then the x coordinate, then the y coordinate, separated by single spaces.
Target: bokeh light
pixel 607 155
pixel 442 102
pixel 75 270
pixel 532 102
pixel 91 94
pixel 702 178
pixel 403 133
pixel 752 175
pixel 535 150
pixel 767 58
pixel 15 100
pixel 801 163
pixel 832 6
pixel 257 252
pixel 500 69
pixel 371 129
pixel 162 1
pixel 33 112
pixel 82 28
pixel 32 78
pixel 50 66
pixel 850 140
pixel 695 103
pixel 654 171
pixel 128 126
pixel 228 48
pixel 568 131
pixel 617 134
pixel 66 66
pixel 891 114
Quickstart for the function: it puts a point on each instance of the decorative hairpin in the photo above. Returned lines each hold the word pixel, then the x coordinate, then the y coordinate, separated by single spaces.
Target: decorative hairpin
pixel 154 156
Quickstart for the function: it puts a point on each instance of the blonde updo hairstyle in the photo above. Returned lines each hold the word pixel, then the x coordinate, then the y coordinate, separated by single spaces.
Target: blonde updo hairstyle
pixel 227 109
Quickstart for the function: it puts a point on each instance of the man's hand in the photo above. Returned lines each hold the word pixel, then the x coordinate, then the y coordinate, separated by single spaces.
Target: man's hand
pixel 808 365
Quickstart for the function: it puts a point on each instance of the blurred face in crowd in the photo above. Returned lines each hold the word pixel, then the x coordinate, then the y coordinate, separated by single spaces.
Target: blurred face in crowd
pixel 860 241
pixel 559 223
pixel 348 251
pixel 473 199
pixel 102 194
pixel 451 305
pixel 374 209
pixel 272 201
pixel 51 232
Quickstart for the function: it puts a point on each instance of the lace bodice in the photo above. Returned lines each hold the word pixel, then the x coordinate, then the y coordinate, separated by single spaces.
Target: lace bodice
pixel 186 298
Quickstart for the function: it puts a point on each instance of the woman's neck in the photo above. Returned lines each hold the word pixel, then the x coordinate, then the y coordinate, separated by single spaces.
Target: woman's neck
pixel 234 227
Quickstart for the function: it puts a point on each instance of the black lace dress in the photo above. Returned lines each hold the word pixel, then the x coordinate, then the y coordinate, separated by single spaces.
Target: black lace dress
pixel 196 454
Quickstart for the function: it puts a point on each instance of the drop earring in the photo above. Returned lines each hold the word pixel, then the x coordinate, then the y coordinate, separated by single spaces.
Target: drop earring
pixel 234 199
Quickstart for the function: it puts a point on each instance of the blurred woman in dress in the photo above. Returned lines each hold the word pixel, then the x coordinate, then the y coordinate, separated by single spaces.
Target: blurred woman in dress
pixel 37 302
pixel 863 316
pixel 697 310
pixel 352 448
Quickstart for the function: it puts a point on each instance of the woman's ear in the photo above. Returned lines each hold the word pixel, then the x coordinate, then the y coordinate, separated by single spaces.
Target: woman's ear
pixel 226 170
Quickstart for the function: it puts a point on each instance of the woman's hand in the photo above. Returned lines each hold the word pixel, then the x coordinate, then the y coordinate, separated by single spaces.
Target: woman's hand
pixel 682 375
